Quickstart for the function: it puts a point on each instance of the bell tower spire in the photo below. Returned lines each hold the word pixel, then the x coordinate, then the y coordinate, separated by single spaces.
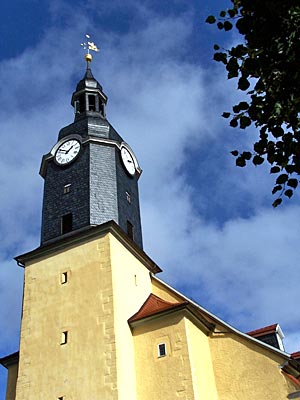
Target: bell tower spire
pixel 89 97
pixel 91 175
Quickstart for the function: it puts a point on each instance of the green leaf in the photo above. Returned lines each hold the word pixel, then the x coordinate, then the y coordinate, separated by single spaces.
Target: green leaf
pixel 289 193
pixel 277 202
pixel 232 67
pixel 220 25
pixel 258 160
pixel 259 147
pixel 233 123
pixel 235 153
pixel 282 179
pixel 277 108
pixel 277 131
pixel 216 47
pixel 221 57
pixel 239 51
pixel 223 14
pixel 243 105
pixel 290 169
pixel 232 13
pixel 244 122
pixel 275 170
pixel 247 155
pixel 211 19
pixel 243 83
pixel 240 162
pixel 292 182
pixel 244 24
pixel 226 114
pixel 227 26
pixel 276 189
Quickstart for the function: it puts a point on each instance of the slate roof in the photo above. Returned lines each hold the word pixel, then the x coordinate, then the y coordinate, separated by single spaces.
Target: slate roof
pixel 88 75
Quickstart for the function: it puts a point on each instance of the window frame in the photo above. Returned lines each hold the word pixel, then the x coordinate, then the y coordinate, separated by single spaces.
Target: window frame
pixel 161 353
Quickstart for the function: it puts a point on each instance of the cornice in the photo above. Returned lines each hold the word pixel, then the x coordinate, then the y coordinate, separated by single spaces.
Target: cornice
pixel 92 232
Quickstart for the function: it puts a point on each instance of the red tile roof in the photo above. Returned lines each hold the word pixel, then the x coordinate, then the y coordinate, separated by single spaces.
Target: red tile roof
pixel 292 378
pixel 154 305
pixel 296 355
pixel 263 331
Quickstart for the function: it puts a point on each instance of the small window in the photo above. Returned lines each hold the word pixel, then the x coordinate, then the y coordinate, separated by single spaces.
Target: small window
pixel 66 223
pixel 64 338
pixel 128 197
pixel 77 107
pixel 161 349
pixel 61 398
pixel 81 103
pixel 67 188
pixel 64 278
pixel 130 229
pixel 92 103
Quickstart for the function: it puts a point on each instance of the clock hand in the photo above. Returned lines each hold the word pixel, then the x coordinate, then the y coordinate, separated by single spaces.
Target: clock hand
pixel 67 151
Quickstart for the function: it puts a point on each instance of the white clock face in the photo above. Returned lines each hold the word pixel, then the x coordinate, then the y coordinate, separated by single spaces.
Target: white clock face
pixel 67 152
pixel 128 161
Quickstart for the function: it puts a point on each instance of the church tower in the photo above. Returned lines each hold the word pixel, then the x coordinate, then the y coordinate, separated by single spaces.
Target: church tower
pixel 91 175
pixel 90 274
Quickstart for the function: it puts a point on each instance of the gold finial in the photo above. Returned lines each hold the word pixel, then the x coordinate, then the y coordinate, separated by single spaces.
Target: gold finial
pixel 89 46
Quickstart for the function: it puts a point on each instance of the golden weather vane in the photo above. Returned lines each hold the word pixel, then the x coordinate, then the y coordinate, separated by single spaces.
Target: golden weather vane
pixel 89 46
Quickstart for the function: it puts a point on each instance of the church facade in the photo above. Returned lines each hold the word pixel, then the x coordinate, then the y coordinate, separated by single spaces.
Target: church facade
pixel 97 322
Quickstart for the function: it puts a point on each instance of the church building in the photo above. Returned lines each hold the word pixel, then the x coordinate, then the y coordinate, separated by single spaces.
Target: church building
pixel 97 322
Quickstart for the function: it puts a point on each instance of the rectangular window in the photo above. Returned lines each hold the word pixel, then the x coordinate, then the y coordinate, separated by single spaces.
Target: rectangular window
pixel 92 103
pixel 61 398
pixel 67 188
pixel 66 223
pixel 77 107
pixel 161 349
pixel 64 278
pixel 130 229
pixel 64 338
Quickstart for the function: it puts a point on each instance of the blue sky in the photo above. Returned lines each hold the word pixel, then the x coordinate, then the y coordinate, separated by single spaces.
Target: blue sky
pixel 207 223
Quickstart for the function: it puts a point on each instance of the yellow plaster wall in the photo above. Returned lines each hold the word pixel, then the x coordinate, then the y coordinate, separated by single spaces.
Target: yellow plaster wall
pixel 11 382
pixel 131 287
pixel 162 291
pixel 168 377
pixel 85 367
pixel 244 370
pixel 201 363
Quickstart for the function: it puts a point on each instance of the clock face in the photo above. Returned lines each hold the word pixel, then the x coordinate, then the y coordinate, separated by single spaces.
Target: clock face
pixel 128 161
pixel 67 152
